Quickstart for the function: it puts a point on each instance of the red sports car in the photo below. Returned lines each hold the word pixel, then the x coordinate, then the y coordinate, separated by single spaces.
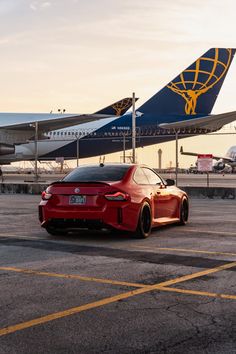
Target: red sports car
pixel 125 197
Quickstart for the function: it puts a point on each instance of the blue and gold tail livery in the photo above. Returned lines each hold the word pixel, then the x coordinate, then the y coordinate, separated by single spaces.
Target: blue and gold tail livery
pixel 118 108
pixel 195 90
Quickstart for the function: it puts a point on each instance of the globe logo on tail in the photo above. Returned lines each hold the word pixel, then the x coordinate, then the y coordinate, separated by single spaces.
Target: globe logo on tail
pixel 121 106
pixel 200 77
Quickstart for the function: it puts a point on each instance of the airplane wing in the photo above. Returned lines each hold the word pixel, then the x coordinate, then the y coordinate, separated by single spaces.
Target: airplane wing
pixel 224 158
pixel 46 122
pixel 211 122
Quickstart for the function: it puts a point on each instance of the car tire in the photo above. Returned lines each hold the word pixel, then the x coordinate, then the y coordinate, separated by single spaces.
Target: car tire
pixel 55 232
pixel 144 222
pixel 184 212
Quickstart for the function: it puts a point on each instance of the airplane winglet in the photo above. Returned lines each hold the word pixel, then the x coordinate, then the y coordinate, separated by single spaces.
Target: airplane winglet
pixel 118 108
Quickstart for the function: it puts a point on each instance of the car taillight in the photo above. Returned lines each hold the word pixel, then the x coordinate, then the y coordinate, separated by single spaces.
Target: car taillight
pixel 46 195
pixel 117 196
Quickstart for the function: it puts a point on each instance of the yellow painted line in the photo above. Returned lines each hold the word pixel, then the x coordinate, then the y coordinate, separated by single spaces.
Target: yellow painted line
pixel 22 237
pixel 198 293
pixel 198 274
pixel 72 276
pixel 74 310
pixel 185 250
pixel 213 211
pixel 222 233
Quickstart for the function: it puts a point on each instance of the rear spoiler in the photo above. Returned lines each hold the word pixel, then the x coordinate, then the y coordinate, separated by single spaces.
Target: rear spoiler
pixel 77 182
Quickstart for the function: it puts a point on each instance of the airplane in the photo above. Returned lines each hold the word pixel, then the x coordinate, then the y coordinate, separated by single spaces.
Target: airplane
pixel 184 105
pixel 225 163
pixel 17 128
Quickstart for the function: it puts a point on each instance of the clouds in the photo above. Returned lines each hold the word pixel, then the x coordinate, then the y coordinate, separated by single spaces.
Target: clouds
pixel 126 42
pixel 39 5
pixel 20 6
pixel 8 6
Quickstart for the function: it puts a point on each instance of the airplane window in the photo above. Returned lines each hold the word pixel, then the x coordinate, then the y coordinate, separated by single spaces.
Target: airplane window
pixel 58 133
pixel 68 133
pixel 54 133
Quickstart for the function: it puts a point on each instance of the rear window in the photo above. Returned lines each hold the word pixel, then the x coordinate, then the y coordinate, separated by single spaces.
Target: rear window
pixel 97 173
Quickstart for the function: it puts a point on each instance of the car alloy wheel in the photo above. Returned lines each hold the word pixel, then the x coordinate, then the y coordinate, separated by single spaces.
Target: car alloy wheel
pixel 145 221
pixel 184 211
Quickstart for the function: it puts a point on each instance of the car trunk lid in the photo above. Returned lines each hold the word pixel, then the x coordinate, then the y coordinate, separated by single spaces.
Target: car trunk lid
pixel 80 195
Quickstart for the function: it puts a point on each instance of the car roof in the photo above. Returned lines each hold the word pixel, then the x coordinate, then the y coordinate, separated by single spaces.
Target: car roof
pixel 114 164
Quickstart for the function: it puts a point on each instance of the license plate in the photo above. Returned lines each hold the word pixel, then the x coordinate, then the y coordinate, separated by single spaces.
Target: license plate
pixel 77 199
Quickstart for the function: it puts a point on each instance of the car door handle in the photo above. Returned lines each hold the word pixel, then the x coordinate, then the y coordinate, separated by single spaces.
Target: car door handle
pixel 158 192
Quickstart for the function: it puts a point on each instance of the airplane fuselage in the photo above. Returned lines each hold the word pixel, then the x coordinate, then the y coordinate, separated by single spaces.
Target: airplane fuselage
pixel 97 138
pixel 184 105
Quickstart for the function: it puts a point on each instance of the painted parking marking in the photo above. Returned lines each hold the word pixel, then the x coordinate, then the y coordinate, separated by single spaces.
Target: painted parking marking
pixel 204 232
pixel 198 293
pixel 72 311
pixel 22 237
pixel 198 274
pixel 185 250
pixel 96 304
pixel 72 276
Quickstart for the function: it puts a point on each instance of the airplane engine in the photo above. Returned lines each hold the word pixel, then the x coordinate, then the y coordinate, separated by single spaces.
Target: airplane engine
pixel 219 166
pixel 6 149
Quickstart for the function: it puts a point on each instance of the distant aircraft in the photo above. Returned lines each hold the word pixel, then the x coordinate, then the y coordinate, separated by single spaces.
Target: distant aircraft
pixel 183 105
pixel 17 128
pixel 224 163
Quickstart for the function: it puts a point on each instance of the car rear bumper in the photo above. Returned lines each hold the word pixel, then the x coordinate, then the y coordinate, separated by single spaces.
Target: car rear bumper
pixel 121 217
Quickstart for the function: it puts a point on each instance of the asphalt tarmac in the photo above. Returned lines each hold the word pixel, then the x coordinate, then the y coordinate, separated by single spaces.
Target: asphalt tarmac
pixel 100 292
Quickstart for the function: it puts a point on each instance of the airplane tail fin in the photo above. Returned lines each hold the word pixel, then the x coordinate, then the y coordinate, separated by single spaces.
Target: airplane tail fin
pixel 118 108
pixel 195 90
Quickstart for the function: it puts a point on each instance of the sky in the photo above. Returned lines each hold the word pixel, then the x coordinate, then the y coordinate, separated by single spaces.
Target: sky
pixel 82 55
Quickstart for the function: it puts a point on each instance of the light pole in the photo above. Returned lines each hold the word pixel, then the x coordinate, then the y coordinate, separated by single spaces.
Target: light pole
pixel 133 129
pixel 36 152
pixel 123 147
pixel 77 149
pixel 176 157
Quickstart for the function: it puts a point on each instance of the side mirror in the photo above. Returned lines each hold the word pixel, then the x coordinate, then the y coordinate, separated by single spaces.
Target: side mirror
pixel 170 182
